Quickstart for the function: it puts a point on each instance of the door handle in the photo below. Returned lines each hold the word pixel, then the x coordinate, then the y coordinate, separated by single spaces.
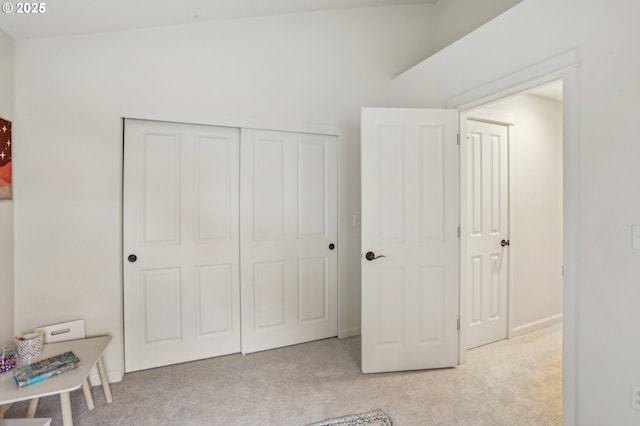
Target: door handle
pixel 505 243
pixel 132 258
pixel 372 256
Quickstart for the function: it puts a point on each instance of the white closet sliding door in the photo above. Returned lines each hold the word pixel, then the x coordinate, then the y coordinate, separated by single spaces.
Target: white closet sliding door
pixel 208 216
pixel 288 238
pixel 180 242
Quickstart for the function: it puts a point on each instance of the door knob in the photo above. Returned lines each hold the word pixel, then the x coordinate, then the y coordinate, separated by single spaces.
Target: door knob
pixel 505 243
pixel 372 256
pixel 132 258
pixel 332 246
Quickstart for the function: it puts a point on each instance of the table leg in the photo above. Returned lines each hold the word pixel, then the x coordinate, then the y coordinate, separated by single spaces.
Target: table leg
pixel 65 409
pixel 88 398
pixel 33 406
pixel 105 382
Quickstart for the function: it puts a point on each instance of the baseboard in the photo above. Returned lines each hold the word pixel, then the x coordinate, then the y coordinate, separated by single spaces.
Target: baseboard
pixel 535 325
pixel 112 376
pixel 350 332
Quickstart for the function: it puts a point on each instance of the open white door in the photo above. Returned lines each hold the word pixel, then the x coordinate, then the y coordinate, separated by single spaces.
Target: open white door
pixel 410 245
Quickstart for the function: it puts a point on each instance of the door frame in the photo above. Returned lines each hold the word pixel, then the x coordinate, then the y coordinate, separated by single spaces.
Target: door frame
pixel 563 67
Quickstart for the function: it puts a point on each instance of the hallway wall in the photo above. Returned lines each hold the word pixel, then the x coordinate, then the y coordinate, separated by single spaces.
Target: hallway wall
pixel 535 191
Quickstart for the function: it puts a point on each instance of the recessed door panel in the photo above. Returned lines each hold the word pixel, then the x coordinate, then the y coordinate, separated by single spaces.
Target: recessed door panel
pixel 390 306
pixel 214 298
pixel 390 189
pixel 495 289
pixel 312 289
pixel 475 290
pixel 312 189
pixel 162 289
pixel 161 180
pixel 497 176
pixel 269 294
pixel 215 188
pixel 268 189
pixel 474 182
pixel 433 292
pixel 432 192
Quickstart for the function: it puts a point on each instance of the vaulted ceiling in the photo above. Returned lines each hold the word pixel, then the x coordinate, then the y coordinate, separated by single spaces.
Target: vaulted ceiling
pixel 65 17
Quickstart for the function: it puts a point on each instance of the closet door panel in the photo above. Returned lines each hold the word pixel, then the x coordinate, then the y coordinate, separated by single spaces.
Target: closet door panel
pixel 288 218
pixel 181 222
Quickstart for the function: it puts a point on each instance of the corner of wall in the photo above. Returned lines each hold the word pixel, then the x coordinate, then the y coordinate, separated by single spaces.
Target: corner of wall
pixel 6 206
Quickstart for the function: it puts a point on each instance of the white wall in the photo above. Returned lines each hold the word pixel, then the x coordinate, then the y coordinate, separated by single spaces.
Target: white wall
pixel 604 152
pixel 315 68
pixel 535 210
pixel 6 206
pixel 457 18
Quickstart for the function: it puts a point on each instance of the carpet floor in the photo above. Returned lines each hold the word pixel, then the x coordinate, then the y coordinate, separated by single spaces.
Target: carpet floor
pixel 514 382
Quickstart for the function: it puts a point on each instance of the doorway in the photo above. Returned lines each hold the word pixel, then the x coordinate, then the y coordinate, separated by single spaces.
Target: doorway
pixel 515 286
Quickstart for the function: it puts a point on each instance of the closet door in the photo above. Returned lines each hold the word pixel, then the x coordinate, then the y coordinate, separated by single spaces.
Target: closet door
pixel 180 243
pixel 288 230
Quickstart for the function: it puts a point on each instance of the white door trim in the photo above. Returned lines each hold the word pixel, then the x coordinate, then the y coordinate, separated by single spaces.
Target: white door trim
pixel 488 116
pixel 547 71
pixel 211 118
pixel 562 67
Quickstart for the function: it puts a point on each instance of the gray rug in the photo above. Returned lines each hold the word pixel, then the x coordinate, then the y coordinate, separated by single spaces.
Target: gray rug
pixel 373 418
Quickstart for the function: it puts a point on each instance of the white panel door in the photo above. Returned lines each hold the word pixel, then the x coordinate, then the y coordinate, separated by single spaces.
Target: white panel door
pixel 180 243
pixel 289 235
pixel 485 226
pixel 409 239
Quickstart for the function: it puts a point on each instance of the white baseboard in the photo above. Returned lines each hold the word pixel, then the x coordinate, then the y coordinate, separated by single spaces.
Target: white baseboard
pixel 350 332
pixel 535 325
pixel 112 376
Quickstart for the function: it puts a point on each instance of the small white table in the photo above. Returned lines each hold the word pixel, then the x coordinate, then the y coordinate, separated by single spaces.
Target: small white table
pixel 89 351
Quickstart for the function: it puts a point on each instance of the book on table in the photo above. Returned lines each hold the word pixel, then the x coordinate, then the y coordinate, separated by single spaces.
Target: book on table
pixel 43 369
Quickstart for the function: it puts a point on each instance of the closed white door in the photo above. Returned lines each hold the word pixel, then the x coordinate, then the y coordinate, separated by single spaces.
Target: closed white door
pixel 485 230
pixel 409 239
pixel 289 237
pixel 180 243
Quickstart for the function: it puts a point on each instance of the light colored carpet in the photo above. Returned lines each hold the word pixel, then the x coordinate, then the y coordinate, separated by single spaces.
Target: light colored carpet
pixel 512 383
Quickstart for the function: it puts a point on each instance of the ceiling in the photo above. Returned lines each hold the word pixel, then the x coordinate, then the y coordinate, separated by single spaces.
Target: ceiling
pixel 551 91
pixel 66 17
